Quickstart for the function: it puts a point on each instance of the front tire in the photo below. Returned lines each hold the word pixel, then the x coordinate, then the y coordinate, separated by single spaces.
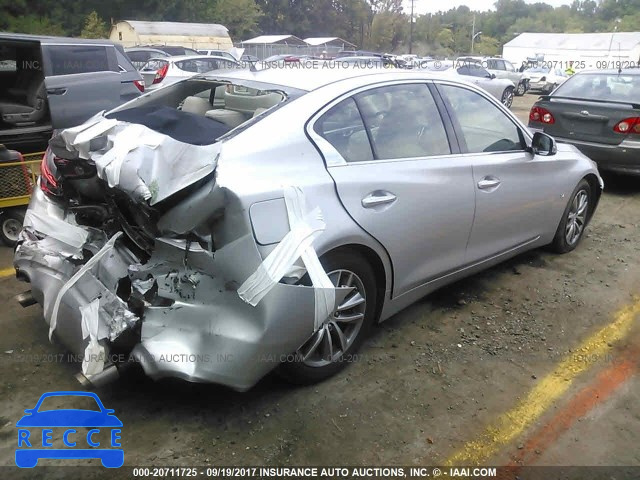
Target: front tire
pixel 521 89
pixel 333 345
pixel 574 219
pixel 507 97
pixel 10 226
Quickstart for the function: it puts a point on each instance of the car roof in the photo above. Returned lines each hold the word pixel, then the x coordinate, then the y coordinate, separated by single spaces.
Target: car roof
pixel 52 40
pixel 611 71
pixel 309 79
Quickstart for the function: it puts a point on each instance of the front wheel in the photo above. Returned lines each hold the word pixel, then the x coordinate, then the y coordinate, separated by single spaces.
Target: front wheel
pixel 507 97
pixel 574 219
pixel 334 344
pixel 10 226
pixel 521 89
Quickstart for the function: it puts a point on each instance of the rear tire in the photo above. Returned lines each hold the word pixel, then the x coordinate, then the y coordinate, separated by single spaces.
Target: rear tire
pixel 574 219
pixel 507 97
pixel 10 226
pixel 311 366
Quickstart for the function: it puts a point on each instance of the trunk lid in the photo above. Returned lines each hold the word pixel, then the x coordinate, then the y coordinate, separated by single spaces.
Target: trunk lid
pixel 587 120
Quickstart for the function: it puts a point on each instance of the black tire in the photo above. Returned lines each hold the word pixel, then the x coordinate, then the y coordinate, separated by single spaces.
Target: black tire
pixel 561 243
pixel 10 225
pixel 521 89
pixel 507 97
pixel 300 372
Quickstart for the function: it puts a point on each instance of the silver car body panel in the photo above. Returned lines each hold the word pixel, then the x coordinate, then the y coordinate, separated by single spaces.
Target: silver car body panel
pixel 195 326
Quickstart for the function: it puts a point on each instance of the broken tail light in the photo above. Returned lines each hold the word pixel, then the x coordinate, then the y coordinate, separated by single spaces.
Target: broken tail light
pixel 48 182
pixel 541 115
pixel 628 125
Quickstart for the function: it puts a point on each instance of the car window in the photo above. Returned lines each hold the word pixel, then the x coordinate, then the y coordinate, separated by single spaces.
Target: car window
pixel 123 62
pixel 154 65
pixel 484 126
pixel 473 70
pixel 509 66
pixel 343 128
pixel 70 59
pixel 204 65
pixel 601 86
pixel 403 122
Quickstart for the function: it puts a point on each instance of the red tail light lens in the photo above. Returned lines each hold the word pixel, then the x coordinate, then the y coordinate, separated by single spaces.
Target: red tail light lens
pixel 628 125
pixel 541 115
pixel 48 182
pixel 139 84
pixel 161 73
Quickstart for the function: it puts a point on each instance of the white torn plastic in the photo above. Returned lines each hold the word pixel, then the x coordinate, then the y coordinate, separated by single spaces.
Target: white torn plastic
pixel 140 161
pixel 94 354
pixel 72 281
pixel 305 228
pixel 53 227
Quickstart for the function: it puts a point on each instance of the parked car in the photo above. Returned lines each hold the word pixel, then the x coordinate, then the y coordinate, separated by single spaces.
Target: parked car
pixel 545 79
pixel 142 54
pixel 263 230
pixel 599 113
pixel 158 72
pixel 51 82
pixel 249 58
pixel 218 53
pixel 502 89
pixel 502 68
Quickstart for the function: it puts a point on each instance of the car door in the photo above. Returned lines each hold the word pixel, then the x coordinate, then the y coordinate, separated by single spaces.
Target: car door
pixel 396 169
pixel 514 188
pixel 81 80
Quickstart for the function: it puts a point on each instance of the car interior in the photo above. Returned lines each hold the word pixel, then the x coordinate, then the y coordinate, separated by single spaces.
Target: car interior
pixel 23 101
pixel 229 104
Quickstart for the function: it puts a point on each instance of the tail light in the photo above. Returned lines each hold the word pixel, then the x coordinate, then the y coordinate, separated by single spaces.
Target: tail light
pixel 48 182
pixel 139 84
pixel 161 73
pixel 628 125
pixel 541 115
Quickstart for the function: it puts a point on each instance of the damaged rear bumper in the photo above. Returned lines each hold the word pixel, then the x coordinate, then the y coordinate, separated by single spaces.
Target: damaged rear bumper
pixel 178 314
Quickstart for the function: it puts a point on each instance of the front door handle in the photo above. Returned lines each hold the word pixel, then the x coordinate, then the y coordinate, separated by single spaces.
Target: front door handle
pixel 378 198
pixel 57 91
pixel 488 182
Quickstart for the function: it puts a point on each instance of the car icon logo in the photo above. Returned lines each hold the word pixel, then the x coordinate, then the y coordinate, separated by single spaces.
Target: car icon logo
pixel 32 446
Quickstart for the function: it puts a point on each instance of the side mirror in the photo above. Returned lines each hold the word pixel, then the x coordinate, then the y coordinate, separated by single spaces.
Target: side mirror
pixel 491 76
pixel 543 144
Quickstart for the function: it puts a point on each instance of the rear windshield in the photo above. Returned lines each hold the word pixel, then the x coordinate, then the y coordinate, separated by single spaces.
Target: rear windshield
pixel 602 86
pixel 200 111
pixel 204 65
pixel 153 65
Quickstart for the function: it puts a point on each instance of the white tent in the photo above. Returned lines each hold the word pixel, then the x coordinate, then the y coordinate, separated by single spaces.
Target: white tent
pixel 594 49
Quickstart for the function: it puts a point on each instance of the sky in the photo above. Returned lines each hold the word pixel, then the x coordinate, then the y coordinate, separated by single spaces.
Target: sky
pixel 432 6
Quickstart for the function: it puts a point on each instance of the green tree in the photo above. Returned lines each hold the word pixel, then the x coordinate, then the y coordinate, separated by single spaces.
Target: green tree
pixel 34 25
pixel 241 17
pixel 94 27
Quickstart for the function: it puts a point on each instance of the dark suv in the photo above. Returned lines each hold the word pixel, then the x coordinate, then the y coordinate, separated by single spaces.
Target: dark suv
pixel 55 82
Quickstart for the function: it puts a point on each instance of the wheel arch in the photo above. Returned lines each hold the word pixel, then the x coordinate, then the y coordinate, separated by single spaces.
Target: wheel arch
pixel 596 192
pixel 376 263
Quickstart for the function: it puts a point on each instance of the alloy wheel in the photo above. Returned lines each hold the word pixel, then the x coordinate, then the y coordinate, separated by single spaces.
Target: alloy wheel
pixel 11 229
pixel 577 217
pixel 341 328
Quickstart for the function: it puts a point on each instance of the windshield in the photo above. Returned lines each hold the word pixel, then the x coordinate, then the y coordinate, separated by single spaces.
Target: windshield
pixel 205 65
pixel 602 86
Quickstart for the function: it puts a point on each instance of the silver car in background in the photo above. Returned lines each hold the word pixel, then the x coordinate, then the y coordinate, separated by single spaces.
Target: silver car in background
pixel 161 71
pixel 240 222
pixel 501 88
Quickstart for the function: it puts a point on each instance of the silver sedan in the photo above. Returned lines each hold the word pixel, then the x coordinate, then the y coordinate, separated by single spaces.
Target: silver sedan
pixel 232 224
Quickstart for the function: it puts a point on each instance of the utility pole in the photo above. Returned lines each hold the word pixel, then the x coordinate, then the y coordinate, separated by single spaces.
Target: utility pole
pixel 411 29
pixel 473 31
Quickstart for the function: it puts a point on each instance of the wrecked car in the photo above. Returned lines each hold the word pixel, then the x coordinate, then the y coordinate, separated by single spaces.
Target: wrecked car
pixel 237 222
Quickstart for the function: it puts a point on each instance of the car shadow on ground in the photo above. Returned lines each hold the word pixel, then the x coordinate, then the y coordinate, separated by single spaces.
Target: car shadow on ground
pixel 621 184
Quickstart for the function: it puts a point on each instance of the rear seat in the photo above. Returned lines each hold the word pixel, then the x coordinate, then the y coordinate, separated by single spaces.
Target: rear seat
pixel 239 108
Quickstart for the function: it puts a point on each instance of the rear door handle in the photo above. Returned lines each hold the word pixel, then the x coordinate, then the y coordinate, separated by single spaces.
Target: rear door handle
pixel 57 91
pixel 378 198
pixel 488 182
